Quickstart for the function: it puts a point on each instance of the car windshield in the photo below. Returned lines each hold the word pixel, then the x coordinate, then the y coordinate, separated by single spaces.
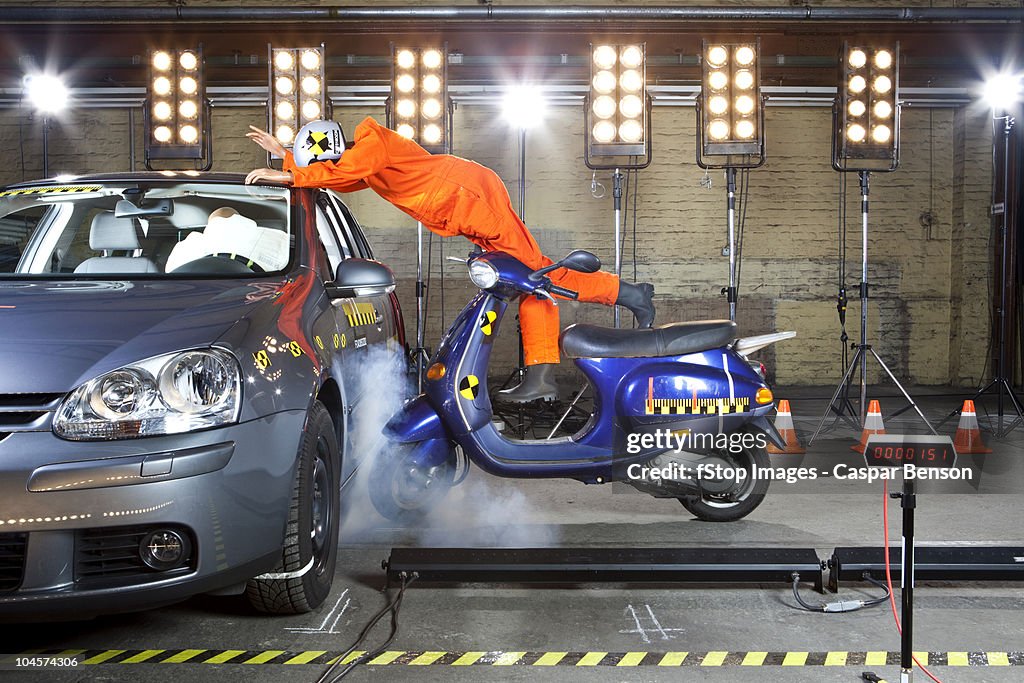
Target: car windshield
pixel 150 229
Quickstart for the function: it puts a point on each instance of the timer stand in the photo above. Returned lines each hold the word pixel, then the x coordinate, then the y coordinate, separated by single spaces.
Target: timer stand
pixel 841 407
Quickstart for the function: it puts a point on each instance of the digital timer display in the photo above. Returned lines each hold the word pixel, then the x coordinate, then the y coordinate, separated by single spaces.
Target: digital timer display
pixel 884 450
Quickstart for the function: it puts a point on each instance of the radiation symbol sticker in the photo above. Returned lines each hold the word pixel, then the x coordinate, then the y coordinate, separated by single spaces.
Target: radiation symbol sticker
pixel 469 387
pixel 486 322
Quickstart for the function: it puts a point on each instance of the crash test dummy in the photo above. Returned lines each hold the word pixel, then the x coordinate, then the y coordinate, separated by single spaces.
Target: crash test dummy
pixel 449 196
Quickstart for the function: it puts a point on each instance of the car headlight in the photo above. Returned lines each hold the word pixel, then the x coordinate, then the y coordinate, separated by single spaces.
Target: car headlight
pixel 169 394
pixel 483 274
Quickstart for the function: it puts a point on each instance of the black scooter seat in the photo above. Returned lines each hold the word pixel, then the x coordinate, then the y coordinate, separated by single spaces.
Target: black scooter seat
pixel 673 339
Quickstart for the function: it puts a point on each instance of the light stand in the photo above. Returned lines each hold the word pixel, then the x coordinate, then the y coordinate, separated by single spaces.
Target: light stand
pixel 1000 380
pixel 617 204
pixel 730 203
pixel 908 502
pixel 860 358
pixel 419 354
pixel 46 146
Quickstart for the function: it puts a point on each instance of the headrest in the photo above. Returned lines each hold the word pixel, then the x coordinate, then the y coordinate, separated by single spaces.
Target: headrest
pixel 113 234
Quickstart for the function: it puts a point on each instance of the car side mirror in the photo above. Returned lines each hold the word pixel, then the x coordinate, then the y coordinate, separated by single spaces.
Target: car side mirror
pixel 361 277
pixel 581 261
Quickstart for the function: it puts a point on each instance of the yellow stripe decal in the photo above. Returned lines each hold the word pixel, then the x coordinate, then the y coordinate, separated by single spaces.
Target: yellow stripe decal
pixel 264 657
pixel 713 659
pixel 835 659
pixel 550 658
pixel 182 656
pixel 426 658
pixel 142 656
pixel 468 659
pixel 591 659
pixel 673 659
pixel 754 659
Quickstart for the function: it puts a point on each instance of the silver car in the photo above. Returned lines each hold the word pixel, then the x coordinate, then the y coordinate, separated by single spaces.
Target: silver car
pixel 176 389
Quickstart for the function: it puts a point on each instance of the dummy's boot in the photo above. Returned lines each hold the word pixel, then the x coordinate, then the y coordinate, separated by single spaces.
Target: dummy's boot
pixel 639 299
pixel 538 383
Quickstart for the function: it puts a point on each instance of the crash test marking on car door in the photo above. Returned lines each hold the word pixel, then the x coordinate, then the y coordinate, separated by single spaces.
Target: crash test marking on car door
pixel 714 658
pixel 324 628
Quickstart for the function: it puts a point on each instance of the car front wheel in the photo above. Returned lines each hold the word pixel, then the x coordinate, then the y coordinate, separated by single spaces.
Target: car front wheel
pixel 302 579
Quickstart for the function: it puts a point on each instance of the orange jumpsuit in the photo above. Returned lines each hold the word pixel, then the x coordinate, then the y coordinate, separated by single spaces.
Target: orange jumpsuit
pixel 453 196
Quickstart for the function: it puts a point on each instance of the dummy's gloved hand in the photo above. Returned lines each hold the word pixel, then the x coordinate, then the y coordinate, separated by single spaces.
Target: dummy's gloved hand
pixel 266 141
pixel 268 175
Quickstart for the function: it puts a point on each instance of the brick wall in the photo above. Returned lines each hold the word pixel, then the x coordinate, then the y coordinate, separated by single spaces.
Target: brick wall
pixel 928 315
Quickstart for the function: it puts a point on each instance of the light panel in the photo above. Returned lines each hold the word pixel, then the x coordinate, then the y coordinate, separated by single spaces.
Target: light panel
pixel 175 106
pixel 419 108
pixel 731 107
pixel 617 119
pixel 866 122
pixel 298 92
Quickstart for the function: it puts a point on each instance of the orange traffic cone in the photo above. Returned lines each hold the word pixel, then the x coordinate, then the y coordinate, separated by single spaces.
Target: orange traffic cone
pixel 872 425
pixel 968 436
pixel 784 424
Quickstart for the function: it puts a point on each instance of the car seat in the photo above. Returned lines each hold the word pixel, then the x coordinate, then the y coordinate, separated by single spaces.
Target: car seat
pixel 109 234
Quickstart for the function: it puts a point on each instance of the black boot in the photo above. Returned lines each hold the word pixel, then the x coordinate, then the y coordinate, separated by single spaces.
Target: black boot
pixel 639 299
pixel 538 383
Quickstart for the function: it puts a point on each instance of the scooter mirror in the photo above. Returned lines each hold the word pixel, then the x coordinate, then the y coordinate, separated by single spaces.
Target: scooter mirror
pixel 582 262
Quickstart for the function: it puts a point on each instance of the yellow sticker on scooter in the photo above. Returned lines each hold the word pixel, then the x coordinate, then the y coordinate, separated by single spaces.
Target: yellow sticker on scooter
pixel 469 387
pixel 486 320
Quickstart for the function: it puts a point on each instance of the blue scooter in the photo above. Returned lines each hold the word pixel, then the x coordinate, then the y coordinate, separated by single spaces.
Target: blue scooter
pixel 678 409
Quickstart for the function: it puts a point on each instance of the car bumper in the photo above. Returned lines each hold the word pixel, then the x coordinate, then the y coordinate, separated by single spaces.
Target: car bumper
pixel 73 510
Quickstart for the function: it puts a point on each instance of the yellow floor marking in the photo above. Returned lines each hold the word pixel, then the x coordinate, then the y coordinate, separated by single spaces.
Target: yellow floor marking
pixel 714 658
pixel 754 658
pixel 223 657
pixel 550 658
pixel 427 658
pixel 998 659
pixel 922 657
pixel 142 656
pixel 103 656
pixel 875 658
pixel 387 657
pixel 264 657
pixel 957 659
pixel 508 658
pixel 794 659
pixel 306 657
pixel 673 658
pixel 632 659
pixel 835 659
pixel 468 659
pixel 591 659
pixel 182 656
pixel 352 656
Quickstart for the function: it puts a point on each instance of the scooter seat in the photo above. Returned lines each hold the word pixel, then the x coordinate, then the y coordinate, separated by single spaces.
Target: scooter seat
pixel 673 339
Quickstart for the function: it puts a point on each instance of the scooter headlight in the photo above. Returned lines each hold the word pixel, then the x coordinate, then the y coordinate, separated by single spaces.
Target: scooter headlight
pixel 483 274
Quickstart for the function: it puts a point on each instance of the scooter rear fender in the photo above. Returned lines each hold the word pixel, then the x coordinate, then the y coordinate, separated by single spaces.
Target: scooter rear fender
pixel 416 421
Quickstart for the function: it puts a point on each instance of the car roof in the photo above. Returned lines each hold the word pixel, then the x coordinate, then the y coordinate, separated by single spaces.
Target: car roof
pixel 145 176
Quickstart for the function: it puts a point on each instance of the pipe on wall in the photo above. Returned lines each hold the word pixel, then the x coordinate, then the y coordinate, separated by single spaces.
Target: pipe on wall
pixel 488 13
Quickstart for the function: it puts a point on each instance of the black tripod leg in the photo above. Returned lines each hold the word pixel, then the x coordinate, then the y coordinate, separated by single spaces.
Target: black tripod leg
pixel 902 390
pixel 832 403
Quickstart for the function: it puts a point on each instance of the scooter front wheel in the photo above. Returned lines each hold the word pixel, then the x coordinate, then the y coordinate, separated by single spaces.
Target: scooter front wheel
pixel 403 490
pixel 742 499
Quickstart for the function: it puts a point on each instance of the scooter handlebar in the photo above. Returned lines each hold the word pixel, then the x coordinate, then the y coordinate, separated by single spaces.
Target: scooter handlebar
pixel 563 292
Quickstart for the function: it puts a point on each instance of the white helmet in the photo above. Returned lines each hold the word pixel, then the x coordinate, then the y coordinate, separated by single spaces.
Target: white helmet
pixel 318 141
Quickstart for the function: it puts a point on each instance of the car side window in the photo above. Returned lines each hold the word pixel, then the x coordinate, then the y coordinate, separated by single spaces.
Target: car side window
pixel 352 230
pixel 336 251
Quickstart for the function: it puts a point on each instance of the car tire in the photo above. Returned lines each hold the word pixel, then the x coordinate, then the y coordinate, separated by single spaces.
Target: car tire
pixel 310 549
pixel 711 510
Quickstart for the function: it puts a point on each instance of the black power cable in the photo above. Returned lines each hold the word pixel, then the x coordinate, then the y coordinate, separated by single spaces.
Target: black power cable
pixel 842 605
pixel 393 607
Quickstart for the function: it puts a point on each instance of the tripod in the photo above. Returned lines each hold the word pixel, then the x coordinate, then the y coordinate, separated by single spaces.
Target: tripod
pixel 1001 383
pixel 419 354
pixel 843 409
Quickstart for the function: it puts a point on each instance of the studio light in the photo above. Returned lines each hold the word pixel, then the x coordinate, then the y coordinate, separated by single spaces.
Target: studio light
pixel 419 108
pixel 298 92
pixel 177 122
pixel 616 112
pixel 46 92
pixel 730 109
pixel 865 131
pixel 524 107
pixel 1003 91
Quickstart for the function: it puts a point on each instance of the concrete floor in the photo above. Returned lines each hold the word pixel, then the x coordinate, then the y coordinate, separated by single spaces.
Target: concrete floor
pixel 486 511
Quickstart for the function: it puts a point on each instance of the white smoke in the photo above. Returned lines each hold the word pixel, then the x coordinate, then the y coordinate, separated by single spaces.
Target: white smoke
pixel 477 512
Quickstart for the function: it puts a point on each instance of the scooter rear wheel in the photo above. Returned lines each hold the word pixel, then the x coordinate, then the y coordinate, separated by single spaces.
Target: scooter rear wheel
pixel 739 503
pixel 403 491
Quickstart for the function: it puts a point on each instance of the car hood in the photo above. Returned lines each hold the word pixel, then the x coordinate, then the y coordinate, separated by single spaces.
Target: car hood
pixel 55 335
